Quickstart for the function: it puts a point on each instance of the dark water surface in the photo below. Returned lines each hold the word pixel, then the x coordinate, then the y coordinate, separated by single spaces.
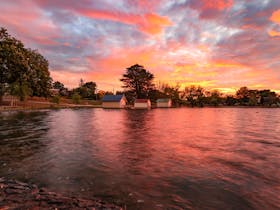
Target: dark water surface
pixel 184 158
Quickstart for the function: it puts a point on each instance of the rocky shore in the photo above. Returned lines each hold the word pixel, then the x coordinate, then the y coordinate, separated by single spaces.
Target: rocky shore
pixel 19 195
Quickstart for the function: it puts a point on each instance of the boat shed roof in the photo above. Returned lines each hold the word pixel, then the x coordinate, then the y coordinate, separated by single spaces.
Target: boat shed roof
pixel 163 100
pixel 112 98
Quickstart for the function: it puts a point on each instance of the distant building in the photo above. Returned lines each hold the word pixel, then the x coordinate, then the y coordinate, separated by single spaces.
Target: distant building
pixel 164 103
pixel 114 101
pixel 142 104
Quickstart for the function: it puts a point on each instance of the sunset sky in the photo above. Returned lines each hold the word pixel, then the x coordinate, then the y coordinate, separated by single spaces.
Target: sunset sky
pixel 218 44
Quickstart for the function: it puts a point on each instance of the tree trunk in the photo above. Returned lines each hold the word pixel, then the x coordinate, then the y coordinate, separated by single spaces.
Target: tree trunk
pixel 1 93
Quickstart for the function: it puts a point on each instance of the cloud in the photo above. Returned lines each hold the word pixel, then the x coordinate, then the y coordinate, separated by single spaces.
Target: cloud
pixel 210 9
pixel 275 17
pixel 148 23
pixel 221 44
pixel 216 4
pixel 273 33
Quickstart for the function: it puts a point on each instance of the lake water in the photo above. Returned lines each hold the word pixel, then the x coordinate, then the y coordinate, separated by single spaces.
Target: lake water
pixel 209 158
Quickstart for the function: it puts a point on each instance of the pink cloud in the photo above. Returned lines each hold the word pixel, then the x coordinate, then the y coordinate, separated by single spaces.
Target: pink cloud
pixel 210 9
pixel 216 4
pixel 143 16
pixel 149 23
pixel 24 20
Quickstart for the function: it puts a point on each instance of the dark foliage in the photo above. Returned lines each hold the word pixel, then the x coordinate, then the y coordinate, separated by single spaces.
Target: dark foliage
pixel 23 72
pixel 137 82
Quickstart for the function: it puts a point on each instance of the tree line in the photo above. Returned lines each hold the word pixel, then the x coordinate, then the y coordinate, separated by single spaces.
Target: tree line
pixel 25 72
pixel 138 83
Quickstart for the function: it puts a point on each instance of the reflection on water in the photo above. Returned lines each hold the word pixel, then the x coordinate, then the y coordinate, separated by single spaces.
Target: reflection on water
pixel 158 159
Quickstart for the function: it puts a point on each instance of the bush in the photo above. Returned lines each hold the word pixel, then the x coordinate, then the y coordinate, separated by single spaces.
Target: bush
pixel 56 99
pixel 76 98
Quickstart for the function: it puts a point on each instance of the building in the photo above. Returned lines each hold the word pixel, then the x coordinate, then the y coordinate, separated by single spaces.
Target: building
pixel 142 104
pixel 164 103
pixel 114 101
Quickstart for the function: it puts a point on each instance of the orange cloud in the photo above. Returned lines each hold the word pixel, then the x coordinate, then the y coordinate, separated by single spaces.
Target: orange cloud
pixel 193 70
pixel 273 33
pixel 225 64
pixel 148 23
pixel 153 23
pixel 275 17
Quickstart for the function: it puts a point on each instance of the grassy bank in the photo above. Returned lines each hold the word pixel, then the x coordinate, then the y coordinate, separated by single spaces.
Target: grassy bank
pixel 43 103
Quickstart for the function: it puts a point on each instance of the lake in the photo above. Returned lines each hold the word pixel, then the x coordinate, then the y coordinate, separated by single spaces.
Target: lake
pixel 184 158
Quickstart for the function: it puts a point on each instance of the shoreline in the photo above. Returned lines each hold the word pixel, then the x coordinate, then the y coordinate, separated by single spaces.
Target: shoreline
pixel 77 106
pixel 49 106
pixel 20 195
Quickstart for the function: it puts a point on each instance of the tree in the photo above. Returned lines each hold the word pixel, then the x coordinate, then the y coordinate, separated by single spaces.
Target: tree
pixel 230 100
pixel 81 82
pixel 86 90
pixel 243 95
pixel 100 94
pixel 90 89
pixel 268 98
pixel 215 98
pixel 38 74
pixel 194 95
pixel 253 97
pixel 172 92
pixel 13 65
pixel 138 81
pixel 58 85
pixel 76 98
pixel 22 71
pixel 63 91
pixel 4 74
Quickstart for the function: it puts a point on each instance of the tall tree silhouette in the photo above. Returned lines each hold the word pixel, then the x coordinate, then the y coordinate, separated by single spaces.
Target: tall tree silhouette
pixel 138 81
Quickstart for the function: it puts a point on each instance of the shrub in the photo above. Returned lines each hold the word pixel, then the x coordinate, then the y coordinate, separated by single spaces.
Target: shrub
pixel 56 99
pixel 76 98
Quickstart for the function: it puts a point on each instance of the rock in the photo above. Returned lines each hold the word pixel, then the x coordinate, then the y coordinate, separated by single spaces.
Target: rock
pixel 56 202
pixel 12 191
pixel 20 187
pixel 19 195
pixel 159 205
